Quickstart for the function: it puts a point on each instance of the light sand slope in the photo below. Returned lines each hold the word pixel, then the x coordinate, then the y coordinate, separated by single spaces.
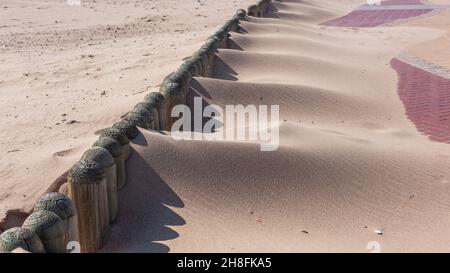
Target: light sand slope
pixel 349 164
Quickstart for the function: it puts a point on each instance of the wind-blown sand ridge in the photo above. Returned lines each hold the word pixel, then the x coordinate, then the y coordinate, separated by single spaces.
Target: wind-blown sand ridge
pixel 355 165
pixel 351 168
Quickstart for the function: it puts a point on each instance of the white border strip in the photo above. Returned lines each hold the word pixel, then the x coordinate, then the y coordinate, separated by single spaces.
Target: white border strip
pixel 425 65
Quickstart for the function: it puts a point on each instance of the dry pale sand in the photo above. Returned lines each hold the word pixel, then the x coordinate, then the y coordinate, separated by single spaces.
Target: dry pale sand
pixel 351 168
pixel 436 50
pixel 70 71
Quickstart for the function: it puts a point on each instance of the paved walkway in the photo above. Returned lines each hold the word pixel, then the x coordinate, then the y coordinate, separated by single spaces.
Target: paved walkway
pixel 426 97
pixel 384 12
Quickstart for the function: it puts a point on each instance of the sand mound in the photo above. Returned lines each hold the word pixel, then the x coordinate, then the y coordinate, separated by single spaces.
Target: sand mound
pixel 351 168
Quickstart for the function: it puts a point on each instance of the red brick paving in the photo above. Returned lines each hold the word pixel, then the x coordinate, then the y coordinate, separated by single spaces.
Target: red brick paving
pixel 373 18
pixel 426 98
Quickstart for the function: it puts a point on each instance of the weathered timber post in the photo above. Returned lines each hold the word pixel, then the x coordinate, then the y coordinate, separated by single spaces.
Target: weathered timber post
pixel 49 228
pixel 62 206
pixel 88 190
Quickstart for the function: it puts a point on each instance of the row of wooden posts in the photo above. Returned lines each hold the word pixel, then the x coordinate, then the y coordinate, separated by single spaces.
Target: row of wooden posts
pixel 88 202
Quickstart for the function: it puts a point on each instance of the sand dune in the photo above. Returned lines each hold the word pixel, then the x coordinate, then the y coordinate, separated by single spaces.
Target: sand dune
pixel 338 186
pixel 351 168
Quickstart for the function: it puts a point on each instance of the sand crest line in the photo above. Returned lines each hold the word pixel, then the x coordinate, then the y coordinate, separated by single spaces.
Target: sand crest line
pixel 88 191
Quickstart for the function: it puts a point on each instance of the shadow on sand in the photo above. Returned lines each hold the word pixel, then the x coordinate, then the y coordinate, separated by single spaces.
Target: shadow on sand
pixel 223 71
pixel 199 91
pixel 144 215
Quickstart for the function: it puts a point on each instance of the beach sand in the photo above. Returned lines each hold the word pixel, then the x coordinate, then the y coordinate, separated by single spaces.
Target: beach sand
pixel 352 173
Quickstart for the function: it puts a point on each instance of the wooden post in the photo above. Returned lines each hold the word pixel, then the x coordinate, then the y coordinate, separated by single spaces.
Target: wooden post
pixel 252 10
pixel 103 157
pixel 23 238
pixel 231 25
pixel 148 111
pixel 173 95
pixel 129 129
pixel 115 150
pixel 200 58
pixel 138 119
pixel 241 14
pixel 210 47
pixel 190 66
pixel 87 189
pixel 49 228
pixel 156 99
pixel 62 206
pixel 262 7
pixel 184 74
pixel 222 36
pixel 121 138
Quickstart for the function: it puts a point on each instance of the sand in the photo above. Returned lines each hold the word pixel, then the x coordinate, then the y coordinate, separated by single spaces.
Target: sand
pixel 71 71
pixel 352 173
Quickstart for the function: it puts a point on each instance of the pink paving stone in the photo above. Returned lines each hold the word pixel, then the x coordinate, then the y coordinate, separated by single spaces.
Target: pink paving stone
pixel 426 98
pixel 373 18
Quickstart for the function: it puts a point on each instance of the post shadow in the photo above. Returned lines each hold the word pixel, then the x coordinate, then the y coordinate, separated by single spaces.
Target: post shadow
pixel 233 45
pixel 223 71
pixel 144 215
pixel 198 90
